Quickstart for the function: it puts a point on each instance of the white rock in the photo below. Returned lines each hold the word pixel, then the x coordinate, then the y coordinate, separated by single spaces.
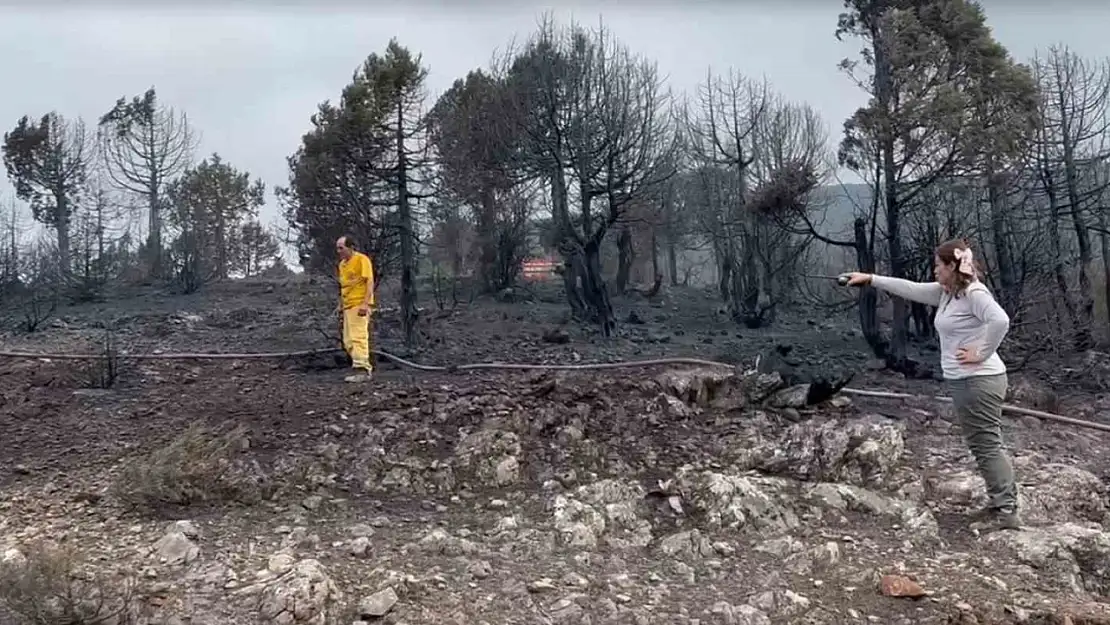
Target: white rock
pixel 188 528
pixel 378 604
pixel 13 557
pixel 360 546
pixel 304 595
pixel 280 563
pixel 176 548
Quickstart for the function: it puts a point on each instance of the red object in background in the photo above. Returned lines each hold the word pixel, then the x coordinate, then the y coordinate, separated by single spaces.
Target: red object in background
pixel 538 269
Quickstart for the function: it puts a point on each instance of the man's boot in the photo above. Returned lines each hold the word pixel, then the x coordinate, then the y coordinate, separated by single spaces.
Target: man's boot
pixel 363 375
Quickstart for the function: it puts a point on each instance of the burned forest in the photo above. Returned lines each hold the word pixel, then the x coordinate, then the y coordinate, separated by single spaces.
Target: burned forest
pixel 618 376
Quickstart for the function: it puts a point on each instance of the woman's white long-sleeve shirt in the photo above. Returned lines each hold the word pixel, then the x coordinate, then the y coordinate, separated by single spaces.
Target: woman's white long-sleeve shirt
pixel 971 318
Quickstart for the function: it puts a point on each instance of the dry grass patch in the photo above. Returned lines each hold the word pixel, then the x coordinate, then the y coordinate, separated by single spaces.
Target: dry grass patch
pixel 198 466
pixel 45 584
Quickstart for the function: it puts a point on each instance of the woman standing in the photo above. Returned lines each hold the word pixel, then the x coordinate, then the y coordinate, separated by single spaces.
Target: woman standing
pixel 971 325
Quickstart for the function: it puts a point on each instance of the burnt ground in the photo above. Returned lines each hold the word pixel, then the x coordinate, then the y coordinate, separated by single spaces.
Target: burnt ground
pixel 250 491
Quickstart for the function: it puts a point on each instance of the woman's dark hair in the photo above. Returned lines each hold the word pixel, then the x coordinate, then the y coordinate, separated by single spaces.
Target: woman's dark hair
pixel 947 253
pixel 349 241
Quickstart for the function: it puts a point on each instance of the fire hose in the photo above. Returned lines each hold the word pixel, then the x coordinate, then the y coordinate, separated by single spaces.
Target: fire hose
pixel 1008 408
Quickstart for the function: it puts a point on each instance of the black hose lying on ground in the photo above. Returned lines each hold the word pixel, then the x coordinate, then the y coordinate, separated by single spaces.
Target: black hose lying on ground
pixel 1046 416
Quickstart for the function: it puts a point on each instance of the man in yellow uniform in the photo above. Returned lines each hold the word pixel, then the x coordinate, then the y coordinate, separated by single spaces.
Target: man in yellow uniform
pixel 356 301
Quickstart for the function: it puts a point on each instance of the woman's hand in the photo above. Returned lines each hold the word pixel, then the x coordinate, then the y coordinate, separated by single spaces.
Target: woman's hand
pixel 968 356
pixel 857 279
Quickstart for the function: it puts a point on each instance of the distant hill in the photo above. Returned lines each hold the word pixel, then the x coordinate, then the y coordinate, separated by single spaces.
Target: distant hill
pixel 835 207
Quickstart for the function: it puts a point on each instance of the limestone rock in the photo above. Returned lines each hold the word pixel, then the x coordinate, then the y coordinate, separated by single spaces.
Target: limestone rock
pixel 733 501
pixel 378 604
pixel 489 455
pixel 303 595
pixel 176 548
pixel 859 451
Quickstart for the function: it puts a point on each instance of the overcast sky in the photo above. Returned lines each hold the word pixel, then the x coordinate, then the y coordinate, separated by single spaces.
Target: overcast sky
pixel 250 77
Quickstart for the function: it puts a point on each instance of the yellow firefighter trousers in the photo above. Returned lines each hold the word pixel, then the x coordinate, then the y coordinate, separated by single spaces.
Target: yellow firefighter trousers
pixel 356 338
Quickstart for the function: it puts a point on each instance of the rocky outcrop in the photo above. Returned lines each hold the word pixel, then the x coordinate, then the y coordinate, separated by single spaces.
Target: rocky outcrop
pixel 858 451
pixel 302 593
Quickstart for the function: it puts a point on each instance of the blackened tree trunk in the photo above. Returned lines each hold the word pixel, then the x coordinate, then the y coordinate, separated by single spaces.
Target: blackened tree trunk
pixel 723 255
pixel 408 250
pixel 572 272
pixel 625 256
pixel 1059 269
pixel 487 245
pixel 567 245
pixel 884 91
pixel 1104 242
pixel 62 213
pixel 922 316
pixel 594 291
pixel 745 289
pixel 672 261
pixel 1007 272
pixel 656 270
pixel 1083 336
pixel 868 297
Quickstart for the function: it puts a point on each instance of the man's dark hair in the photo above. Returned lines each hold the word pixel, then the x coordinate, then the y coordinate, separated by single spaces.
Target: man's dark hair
pixel 350 241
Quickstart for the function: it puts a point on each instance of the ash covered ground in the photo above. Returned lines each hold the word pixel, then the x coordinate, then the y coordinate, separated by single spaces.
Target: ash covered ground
pixel 249 491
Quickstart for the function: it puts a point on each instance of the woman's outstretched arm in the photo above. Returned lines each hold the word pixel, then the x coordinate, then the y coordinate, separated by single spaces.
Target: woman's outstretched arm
pixel 928 293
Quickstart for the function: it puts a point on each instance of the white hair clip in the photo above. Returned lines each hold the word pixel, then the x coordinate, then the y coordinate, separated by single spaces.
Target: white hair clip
pixel 966 264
